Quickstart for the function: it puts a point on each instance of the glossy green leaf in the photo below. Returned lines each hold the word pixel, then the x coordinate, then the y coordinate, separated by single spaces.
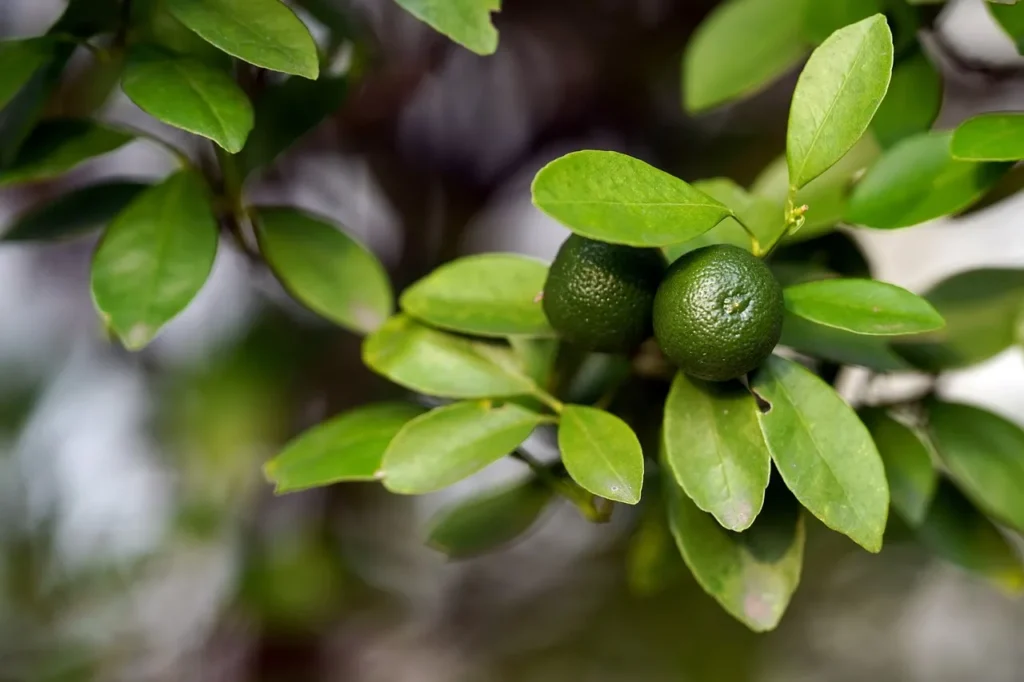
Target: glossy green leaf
pixel 489 521
pixel 741 47
pixel 155 25
pixel 908 464
pixel 154 258
pixel 714 447
pixel 752 574
pixel 494 294
pixel 74 213
pixel 839 345
pixel 862 306
pixel 760 215
pixel 836 96
pixel 435 363
pixel 1011 18
pixel 919 180
pixel 990 137
pixel 956 531
pixel 262 32
pixel 601 453
pixel 980 308
pixel 348 447
pixel 57 146
pixel 188 94
pixel 615 198
pixel 984 454
pixel 450 443
pixel 19 61
pixel 467 22
pixel 912 103
pixel 324 268
pixel 821 19
pixel 823 452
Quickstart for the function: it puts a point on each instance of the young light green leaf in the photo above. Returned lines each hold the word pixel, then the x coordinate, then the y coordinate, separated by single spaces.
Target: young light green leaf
pixel 262 32
pixel 752 574
pixel 956 531
pixel 918 180
pixel 984 454
pixel 823 452
pixel 601 453
pixel 348 447
pixel 489 521
pixel 59 145
pixel 821 20
pixel 19 61
pixel 1011 18
pixel 740 48
pixel 839 345
pixel 74 213
pixel 494 294
pixel 452 442
pixel 188 94
pixel 912 102
pixel 759 215
pixel 714 448
pixel 324 268
pixel 154 258
pixel 990 137
pixel 467 22
pixel 435 363
pixel 615 198
pixel 836 96
pixel 908 464
pixel 862 306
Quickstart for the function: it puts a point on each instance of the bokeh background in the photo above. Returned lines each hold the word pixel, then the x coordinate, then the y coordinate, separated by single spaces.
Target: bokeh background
pixel 138 539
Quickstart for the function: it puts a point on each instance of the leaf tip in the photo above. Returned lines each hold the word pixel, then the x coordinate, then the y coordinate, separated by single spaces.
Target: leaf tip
pixel 138 337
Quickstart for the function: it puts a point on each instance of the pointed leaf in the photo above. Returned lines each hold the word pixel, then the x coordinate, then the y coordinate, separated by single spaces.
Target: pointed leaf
pixel 74 213
pixel 912 103
pixel 601 453
pixel 908 464
pixel 862 306
pixel 823 452
pixel 494 294
pixel 154 258
pixel 836 96
pixel 467 22
pixel 715 449
pixel 348 447
pixel 839 345
pixel 450 443
pixel 990 137
pixel 19 61
pixel 615 198
pixel 57 146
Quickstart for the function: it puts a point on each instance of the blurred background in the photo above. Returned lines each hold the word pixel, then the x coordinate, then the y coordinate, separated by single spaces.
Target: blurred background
pixel 139 540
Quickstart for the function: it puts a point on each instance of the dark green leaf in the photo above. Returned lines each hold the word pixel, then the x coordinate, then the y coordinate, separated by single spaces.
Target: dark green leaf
pixel 823 452
pixel 652 558
pixel 862 306
pixel 19 61
pixel 1011 18
pixel 495 294
pixel 450 443
pixel 333 274
pixel 838 345
pixel 19 116
pixel 601 453
pixel 74 213
pixel 714 448
pixel 912 103
pixel 188 94
pixel 836 96
pixel 348 447
pixel 990 137
pixel 155 25
pixel 154 258
pixel 908 464
pixel 821 19
pixel 262 32
pixel 57 146
pixel 616 198
pixel 467 22
pixel 86 18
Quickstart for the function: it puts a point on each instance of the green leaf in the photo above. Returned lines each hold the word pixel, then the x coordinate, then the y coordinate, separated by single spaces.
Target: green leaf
pixel 823 19
pixel 838 345
pixel 980 308
pixel 760 215
pixel 823 452
pixel 652 558
pixel 615 198
pixel 984 454
pixel 601 453
pixel 494 294
pixel 348 447
pixel 862 306
pixel 752 574
pixel 536 357
pixel 435 363
pixel 57 146
pixel 919 180
pixel 490 521
pixel 956 531
pixel 452 442
pixel 188 94
pixel 836 96
pixel 908 464
pixel 912 103
pixel 714 447
pixel 324 268
pixel 1011 18
pixel 467 22
pixel 19 61
pixel 265 33
pixel 74 213
pixel 154 258
pixel 990 137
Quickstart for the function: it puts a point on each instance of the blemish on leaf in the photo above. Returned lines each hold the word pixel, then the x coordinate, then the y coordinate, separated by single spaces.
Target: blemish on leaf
pixel 758 609
pixel 138 336
pixel 366 317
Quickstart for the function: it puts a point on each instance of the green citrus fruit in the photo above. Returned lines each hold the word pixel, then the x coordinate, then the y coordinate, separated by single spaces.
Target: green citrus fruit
pixel 600 296
pixel 718 313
